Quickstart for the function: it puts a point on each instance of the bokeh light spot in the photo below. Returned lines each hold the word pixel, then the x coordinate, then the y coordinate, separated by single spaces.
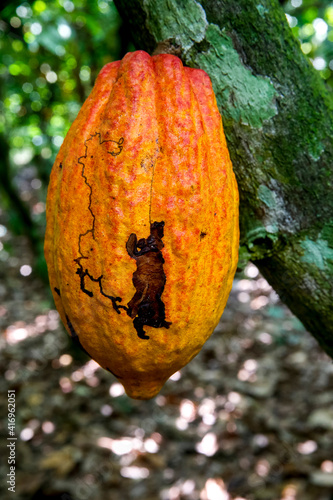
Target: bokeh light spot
pixel 25 270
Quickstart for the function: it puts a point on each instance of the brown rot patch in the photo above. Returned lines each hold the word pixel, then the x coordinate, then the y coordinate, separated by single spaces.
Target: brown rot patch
pixel 202 235
pixel 146 306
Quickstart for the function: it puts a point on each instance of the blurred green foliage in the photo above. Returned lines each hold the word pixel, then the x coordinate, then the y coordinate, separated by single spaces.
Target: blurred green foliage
pixel 50 55
pixel 312 23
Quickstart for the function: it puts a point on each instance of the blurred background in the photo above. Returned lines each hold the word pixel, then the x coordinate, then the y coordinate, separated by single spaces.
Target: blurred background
pixel 251 417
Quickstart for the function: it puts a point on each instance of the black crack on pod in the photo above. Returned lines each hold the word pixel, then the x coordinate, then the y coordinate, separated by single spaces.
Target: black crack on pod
pixel 113 373
pixel 75 337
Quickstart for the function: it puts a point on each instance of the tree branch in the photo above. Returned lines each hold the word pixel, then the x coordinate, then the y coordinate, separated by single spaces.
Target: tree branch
pixel 278 120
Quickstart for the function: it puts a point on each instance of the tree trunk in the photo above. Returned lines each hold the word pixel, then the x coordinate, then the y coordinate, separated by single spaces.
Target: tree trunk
pixel 278 119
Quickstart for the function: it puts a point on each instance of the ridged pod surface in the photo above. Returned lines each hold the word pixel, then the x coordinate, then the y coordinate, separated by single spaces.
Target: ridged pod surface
pixel 142 220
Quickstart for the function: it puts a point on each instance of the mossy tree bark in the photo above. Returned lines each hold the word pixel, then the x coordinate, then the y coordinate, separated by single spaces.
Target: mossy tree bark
pixel 278 120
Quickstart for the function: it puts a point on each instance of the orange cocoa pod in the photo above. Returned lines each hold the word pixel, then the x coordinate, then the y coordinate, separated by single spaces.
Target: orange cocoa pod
pixel 142 220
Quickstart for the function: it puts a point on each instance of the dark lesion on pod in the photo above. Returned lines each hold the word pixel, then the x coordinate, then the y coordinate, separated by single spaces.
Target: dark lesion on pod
pixel 75 336
pixel 146 307
pixel 85 273
pixel 82 271
pixel 113 373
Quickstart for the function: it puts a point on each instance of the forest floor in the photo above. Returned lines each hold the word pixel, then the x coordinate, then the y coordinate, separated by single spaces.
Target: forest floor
pixel 250 418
